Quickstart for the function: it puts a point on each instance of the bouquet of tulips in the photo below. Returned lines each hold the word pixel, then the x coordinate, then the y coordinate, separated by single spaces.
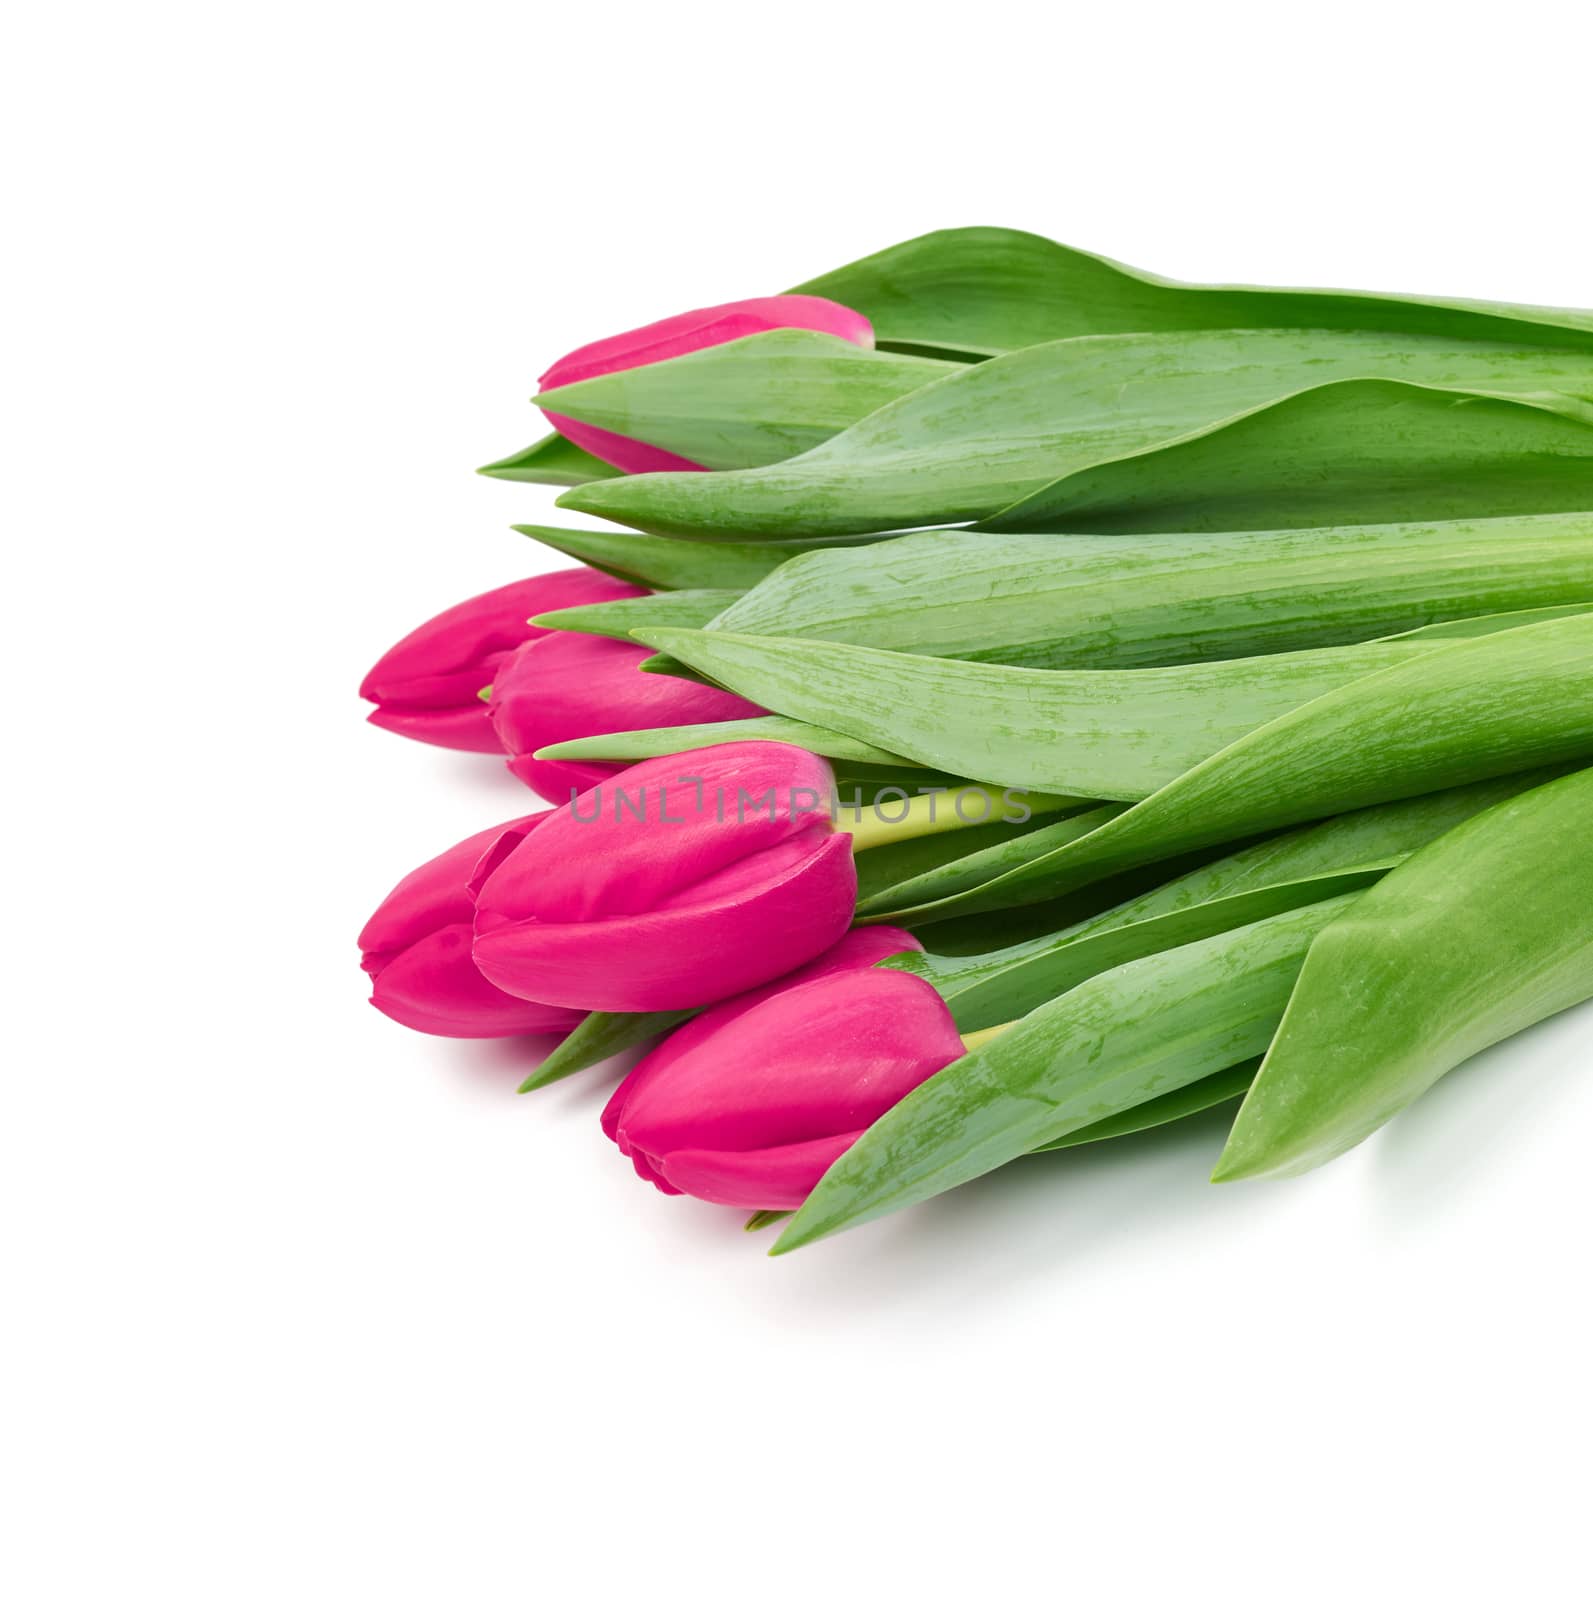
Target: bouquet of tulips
pixel 1027 701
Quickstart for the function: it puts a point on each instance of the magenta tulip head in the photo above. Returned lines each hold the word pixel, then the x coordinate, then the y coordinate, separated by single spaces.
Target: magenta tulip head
pixel 416 948
pixel 680 881
pixel 750 1103
pixel 428 686
pixel 575 685
pixel 679 336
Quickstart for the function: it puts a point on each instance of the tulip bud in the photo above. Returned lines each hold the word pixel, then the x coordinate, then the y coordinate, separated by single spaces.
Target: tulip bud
pixel 573 685
pixel 679 336
pixel 416 949
pixel 683 880
pixel 428 686
pixel 750 1103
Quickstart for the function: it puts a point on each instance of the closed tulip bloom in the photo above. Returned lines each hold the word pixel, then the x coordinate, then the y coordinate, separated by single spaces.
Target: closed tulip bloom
pixel 683 880
pixel 416 949
pixel 679 336
pixel 428 686
pixel 860 947
pixel 575 685
pixel 750 1103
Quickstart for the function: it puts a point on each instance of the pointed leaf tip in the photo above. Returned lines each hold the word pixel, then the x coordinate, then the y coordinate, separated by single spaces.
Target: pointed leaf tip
pixel 660 638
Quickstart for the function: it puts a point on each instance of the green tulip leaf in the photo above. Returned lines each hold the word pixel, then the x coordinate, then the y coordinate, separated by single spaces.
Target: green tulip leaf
pixel 1480 934
pixel 1109 734
pixel 1130 601
pixel 977 441
pixel 598 1037
pixel 614 619
pixel 1476 709
pixel 649 742
pixel 884 869
pixel 554 460
pixel 662 563
pixel 1365 450
pixel 1175 1106
pixel 748 402
pixel 1310 863
pixel 1118 1040
pixel 988 852
pixel 981 291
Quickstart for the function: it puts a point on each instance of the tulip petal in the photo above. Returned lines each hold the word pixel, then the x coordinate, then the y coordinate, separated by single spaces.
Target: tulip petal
pixel 433 896
pixel 679 336
pixel 829 1056
pixel 434 987
pixel 559 782
pixel 696 330
pixel 615 450
pixel 858 947
pixel 427 685
pixel 463 727
pixel 571 685
pixel 762 1180
pixel 662 827
pixel 688 955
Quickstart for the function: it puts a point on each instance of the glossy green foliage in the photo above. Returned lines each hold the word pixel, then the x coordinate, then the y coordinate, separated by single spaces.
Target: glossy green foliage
pixel 615 619
pixel 1480 934
pixel 1365 450
pixel 599 1036
pixel 1109 734
pixel 1479 708
pixel 1091 601
pixel 749 402
pixel 662 563
pixel 988 436
pixel 552 460
pixel 1125 1036
pixel 1311 863
pixel 981 291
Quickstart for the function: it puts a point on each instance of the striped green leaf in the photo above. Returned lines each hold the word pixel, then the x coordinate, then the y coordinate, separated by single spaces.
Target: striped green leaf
pixel 615 619
pixel 552 459
pixel 1006 852
pixel 1306 864
pixel 1122 1038
pixel 663 563
pixel 1092 601
pixel 982 291
pixel 987 436
pixel 1201 1095
pixel 748 402
pixel 648 742
pixel 1480 708
pixel 599 1036
pixel 1482 933
pixel 1365 450
pixel 1109 734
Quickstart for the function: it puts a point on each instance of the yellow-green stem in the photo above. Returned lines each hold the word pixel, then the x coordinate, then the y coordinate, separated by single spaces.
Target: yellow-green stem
pixel 972 1041
pixel 896 821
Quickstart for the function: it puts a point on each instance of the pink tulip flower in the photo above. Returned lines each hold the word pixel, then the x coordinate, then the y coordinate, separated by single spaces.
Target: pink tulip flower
pixel 428 686
pixel 683 880
pixel 416 949
pixel 679 336
pixel 574 685
pixel 750 1103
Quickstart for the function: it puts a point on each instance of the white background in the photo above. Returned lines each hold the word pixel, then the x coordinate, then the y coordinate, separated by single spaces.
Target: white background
pixel 301 1304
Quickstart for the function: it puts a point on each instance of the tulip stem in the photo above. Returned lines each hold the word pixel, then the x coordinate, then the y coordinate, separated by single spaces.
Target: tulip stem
pixel 972 1041
pixel 893 821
